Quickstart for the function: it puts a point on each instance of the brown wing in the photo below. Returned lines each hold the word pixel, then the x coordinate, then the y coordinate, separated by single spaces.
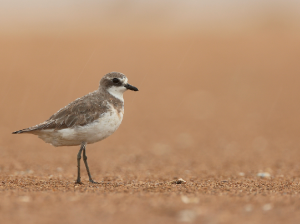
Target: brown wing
pixel 80 112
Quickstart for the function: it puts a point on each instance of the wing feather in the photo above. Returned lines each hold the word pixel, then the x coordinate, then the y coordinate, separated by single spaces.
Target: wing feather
pixel 80 112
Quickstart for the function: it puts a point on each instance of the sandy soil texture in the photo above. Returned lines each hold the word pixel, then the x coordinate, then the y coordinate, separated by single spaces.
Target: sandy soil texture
pixel 222 113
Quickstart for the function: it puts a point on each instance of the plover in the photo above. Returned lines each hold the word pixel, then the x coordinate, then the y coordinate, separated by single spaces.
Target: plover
pixel 86 120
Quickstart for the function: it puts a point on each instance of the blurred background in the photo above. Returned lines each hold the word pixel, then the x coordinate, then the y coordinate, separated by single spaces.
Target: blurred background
pixel 214 76
pixel 218 81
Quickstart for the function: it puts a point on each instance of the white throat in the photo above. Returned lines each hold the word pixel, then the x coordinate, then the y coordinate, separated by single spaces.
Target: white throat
pixel 117 91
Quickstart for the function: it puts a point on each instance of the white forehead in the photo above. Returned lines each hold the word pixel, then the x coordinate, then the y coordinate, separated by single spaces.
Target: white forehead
pixel 125 80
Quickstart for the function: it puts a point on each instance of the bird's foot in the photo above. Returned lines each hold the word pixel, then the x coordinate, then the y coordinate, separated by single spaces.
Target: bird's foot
pixel 93 182
pixel 78 182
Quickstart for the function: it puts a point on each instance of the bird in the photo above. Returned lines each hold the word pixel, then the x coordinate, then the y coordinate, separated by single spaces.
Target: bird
pixel 86 120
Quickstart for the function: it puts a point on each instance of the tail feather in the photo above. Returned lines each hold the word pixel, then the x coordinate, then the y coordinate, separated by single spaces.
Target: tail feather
pixel 34 128
pixel 22 131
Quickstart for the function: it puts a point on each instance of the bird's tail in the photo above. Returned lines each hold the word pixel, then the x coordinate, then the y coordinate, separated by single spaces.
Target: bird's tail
pixel 41 126
pixel 22 131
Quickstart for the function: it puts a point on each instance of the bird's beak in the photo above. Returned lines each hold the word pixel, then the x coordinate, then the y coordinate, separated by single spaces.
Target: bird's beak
pixel 128 86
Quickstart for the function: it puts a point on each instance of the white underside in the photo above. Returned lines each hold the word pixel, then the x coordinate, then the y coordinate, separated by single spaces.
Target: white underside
pixel 98 130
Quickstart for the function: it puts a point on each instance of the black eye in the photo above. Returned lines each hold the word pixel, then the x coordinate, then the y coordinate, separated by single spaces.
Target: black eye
pixel 115 80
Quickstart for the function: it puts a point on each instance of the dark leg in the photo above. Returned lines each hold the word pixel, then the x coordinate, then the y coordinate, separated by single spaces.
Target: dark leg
pixel 87 167
pixel 78 163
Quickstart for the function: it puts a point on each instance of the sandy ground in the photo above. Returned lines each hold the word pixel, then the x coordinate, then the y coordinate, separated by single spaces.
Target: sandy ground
pixel 222 113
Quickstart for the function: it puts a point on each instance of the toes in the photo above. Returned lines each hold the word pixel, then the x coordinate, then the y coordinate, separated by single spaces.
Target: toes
pixel 94 182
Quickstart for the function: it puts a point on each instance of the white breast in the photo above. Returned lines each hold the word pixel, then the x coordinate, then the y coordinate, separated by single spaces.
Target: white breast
pixel 96 131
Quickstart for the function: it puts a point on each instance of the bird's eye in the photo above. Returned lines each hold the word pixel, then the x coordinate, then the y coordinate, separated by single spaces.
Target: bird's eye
pixel 115 80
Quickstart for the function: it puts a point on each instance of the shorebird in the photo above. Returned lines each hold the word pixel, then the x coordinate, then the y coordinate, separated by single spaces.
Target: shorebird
pixel 86 120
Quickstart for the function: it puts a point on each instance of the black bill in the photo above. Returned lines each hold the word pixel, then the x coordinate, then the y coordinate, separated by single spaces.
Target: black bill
pixel 128 86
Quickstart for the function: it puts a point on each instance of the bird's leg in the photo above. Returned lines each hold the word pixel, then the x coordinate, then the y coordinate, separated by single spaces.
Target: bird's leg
pixel 82 147
pixel 87 167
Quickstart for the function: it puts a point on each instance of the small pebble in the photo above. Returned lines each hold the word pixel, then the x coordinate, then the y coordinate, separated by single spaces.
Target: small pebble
pixel 178 181
pixel 264 175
